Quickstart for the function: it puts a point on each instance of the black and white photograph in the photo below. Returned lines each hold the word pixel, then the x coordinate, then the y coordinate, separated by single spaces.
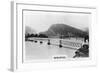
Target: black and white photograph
pixel 52 36
pixel 56 34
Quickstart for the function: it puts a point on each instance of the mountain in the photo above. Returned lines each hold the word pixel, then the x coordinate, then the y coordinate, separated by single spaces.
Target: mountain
pixel 29 30
pixel 64 30
pixel 86 30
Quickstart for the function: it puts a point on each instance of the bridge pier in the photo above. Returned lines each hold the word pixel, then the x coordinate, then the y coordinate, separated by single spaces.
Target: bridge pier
pixel 60 45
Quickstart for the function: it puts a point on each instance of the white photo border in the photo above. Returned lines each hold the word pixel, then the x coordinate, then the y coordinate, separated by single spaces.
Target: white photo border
pixel 17 62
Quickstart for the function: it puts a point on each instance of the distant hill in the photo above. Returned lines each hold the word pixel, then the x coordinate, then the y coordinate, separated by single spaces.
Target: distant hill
pixel 29 30
pixel 64 30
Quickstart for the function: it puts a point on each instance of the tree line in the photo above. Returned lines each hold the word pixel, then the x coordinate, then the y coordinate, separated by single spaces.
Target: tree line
pixel 36 35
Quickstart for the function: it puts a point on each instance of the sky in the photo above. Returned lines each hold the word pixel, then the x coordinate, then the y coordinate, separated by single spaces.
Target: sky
pixel 40 21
